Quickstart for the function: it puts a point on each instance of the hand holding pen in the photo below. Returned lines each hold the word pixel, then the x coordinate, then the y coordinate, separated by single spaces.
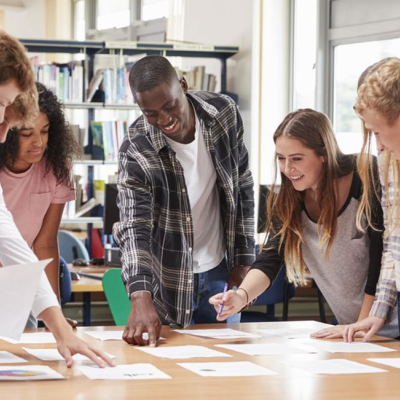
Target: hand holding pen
pixel 226 303
pixel 221 307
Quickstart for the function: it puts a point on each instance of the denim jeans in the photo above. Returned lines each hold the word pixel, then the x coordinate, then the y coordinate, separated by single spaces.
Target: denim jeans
pixel 206 285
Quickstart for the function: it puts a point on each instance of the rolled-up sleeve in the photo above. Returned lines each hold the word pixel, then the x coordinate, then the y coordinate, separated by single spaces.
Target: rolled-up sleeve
pixel 133 232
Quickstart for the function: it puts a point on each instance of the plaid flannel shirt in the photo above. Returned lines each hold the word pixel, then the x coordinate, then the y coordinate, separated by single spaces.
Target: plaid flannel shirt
pixel 389 279
pixel 155 232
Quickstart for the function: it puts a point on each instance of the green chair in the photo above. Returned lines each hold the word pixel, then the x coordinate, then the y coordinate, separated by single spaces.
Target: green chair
pixel 116 295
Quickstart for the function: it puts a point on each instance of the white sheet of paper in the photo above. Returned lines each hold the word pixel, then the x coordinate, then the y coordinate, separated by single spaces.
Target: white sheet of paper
pixel 33 338
pixel 236 368
pixel 127 371
pixel 105 335
pixel 29 373
pixel 288 333
pixel 9 358
pixel 293 330
pixel 18 287
pixel 333 367
pixel 342 347
pixel 217 333
pixel 54 355
pixel 391 362
pixel 113 335
pixel 264 349
pixel 182 352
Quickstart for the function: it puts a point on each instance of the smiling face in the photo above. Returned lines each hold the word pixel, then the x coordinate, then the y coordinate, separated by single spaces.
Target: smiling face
pixel 32 144
pixel 8 93
pixel 301 165
pixel 167 108
pixel 387 135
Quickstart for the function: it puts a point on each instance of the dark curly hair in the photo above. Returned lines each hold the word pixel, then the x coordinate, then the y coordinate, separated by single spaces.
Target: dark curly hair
pixel 62 147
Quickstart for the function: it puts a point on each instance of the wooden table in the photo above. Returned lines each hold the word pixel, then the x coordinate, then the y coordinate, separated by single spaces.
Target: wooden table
pixel 289 384
pixel 86 286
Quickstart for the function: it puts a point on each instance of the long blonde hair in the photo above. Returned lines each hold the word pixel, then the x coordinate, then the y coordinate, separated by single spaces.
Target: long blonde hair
pixel 284 208
pixel 15 65
pixel 378 89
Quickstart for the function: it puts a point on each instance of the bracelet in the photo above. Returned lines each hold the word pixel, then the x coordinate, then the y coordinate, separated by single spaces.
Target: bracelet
pixel 247 295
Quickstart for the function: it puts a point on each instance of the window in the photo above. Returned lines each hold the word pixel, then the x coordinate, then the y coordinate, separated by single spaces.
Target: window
pixel 153 9
pixel 304 45
pixel 350 61
pixel 112 14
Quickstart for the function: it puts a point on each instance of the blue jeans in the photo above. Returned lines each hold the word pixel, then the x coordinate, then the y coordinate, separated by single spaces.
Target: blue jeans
pixel 206 285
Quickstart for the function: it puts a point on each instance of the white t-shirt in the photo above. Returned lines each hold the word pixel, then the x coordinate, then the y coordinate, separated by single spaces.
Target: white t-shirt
pixel 15 250
pixel 201 178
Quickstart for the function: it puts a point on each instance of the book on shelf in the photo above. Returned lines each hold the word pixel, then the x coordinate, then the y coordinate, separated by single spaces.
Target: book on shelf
pixel 86 207
pixel 79 134
pixel 108 136
pixel 64 80
pixel 198 79
pixel 94 84
pixel 115 82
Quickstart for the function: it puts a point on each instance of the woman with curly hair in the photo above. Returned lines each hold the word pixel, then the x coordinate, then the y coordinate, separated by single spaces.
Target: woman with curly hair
pixel 18 107
pixel 35 173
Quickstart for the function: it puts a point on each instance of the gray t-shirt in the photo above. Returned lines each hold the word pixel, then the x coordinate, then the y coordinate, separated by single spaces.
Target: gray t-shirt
pixel 346 270
pixel 354 263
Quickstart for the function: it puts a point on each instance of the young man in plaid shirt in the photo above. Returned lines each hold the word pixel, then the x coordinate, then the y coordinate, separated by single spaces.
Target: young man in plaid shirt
pixel 186 202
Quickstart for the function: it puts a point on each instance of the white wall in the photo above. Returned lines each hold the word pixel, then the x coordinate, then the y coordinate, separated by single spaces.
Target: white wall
pixel 229 23
pixel 276 61
pixel 28 22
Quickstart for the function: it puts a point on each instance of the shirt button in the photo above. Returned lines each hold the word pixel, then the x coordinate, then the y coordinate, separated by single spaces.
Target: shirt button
pixel 183 190
pixel 187 311
pixel 190 249
pixel 190 281
pixel 188 219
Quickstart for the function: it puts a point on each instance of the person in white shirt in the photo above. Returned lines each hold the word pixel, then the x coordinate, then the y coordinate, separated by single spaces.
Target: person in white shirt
pixel 19 106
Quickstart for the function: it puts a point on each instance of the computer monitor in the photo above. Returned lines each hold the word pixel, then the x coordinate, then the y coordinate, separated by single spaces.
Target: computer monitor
pixel 111 210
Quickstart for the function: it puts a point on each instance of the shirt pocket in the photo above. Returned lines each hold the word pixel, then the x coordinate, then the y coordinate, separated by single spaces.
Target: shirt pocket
pixel 40 203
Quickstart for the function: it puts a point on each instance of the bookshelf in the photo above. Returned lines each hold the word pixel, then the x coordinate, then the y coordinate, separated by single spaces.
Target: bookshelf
pixel 90 49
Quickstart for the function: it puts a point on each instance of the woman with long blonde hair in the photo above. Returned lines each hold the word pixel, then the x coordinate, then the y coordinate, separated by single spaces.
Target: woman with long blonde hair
pixel 378 106
pixel 312 225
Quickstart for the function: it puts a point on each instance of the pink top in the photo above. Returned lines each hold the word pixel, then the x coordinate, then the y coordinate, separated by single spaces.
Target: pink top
pixel 28 197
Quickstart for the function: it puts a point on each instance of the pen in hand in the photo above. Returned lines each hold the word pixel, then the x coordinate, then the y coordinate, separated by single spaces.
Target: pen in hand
pixel 221 307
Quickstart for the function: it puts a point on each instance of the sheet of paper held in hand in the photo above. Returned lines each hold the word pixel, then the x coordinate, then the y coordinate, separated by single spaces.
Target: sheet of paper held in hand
pixel 18 287
pixel 218 333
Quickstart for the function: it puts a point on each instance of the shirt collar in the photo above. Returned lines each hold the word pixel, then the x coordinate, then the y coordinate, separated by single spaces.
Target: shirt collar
pixel 205 112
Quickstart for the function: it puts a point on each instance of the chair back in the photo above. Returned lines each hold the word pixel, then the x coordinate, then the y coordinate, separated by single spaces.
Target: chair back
pixel 279 292
pixel 65 282
pixel 71 247
pixel 116 295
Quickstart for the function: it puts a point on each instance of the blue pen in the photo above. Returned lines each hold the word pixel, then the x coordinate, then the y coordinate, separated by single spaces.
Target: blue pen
pixel 221 307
